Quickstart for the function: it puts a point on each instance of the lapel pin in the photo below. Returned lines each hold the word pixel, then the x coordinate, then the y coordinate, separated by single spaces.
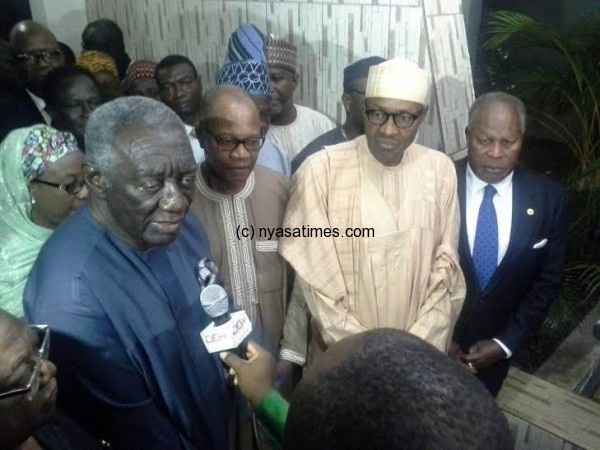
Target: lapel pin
pixel 530 212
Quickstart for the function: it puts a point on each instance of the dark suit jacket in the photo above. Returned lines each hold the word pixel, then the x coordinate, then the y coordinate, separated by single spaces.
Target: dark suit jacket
pixel 18 112
pixel 517 298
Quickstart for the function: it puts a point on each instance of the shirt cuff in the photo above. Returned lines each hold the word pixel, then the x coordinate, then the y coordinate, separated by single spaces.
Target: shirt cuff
pixel 292 356
pixel 503 347
pixel 273 411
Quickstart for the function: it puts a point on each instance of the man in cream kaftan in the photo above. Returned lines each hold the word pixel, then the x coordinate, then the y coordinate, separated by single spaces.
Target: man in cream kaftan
pixel 404 275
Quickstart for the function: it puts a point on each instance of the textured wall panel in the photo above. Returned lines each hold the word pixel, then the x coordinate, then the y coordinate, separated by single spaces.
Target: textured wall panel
pixel 329 34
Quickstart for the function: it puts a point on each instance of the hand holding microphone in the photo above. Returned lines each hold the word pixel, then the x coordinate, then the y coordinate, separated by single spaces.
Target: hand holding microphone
pixel 228 329
pixel 254 375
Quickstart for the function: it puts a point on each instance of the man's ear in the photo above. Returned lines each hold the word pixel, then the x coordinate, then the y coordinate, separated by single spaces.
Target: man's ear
pixel 421 117
pixel 295 79
pixel 346 100
pixel 95 181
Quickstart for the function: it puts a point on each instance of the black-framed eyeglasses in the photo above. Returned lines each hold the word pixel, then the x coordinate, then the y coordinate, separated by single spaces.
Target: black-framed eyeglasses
pixel 229 144
pixel 72 188
pixel 42 333
pixel 31 58
pixel 401 120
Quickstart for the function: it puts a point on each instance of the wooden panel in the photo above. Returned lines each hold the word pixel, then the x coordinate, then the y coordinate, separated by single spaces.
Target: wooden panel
pixel 453 84
pixel 529 437
pixel 557 411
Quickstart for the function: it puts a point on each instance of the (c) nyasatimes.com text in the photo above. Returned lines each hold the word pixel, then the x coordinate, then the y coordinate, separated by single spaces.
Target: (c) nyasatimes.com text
pixel 304 231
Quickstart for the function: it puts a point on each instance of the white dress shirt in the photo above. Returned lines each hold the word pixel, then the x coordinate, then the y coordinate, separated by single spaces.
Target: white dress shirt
pixel 40 104
pixel 503 206
pixel 196 148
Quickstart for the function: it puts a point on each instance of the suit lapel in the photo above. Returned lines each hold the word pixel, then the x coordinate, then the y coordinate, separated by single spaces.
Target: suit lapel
pixel 525 214
pixel 466 260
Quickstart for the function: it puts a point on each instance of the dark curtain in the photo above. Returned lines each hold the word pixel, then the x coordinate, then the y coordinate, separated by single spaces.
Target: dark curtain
pixel 11 12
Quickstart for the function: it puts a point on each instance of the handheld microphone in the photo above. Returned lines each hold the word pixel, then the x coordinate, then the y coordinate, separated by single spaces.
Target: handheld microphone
pixel 228 329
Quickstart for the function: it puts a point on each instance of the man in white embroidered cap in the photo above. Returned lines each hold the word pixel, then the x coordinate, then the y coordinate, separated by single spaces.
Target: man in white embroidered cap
pixel 390 259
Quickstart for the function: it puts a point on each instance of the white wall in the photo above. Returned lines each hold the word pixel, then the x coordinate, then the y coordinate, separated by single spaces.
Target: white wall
pixel 65 18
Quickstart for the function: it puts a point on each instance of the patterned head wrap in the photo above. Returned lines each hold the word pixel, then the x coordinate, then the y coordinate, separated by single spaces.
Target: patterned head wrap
pixel 247 42
pixel 251 75
pixel 95 62
pixel 142 68
pixel 42 147
pixel 281 54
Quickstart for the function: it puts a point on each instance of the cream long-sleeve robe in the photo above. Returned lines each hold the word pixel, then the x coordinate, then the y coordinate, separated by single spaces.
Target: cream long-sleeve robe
pixel 407 275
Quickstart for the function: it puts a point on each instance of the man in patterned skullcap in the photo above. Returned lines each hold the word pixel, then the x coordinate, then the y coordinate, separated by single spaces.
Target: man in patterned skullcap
pixel 292 126
pixel 253 77
pixel 140 79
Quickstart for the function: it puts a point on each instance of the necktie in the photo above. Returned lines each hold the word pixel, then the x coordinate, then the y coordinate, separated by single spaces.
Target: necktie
pixel 485 248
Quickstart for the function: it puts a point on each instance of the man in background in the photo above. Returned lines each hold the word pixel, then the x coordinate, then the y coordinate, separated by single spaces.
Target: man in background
pixel 353 99
pixel 35 52
pixel 292 126
pixel 104 35
pixel 180 89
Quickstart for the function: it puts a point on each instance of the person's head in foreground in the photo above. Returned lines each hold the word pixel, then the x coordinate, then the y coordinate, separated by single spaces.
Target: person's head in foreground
pixel 396 101
pixel 383 389
pixel 495 135
pixel 36 52
pixel 387 389
pixel 230 133
pixel 27 384
pixel 140 80
pixel 71 95
pixel 141 171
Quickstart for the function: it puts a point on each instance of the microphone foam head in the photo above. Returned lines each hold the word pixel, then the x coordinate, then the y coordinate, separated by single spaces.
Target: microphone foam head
pixel 214 300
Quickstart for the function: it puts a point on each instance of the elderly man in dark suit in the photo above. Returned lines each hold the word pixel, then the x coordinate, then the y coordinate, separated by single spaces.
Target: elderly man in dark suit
pixel 513 241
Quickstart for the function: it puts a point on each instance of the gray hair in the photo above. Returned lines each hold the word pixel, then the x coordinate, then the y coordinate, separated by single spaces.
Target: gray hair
pixel 112 118
pixel 491 97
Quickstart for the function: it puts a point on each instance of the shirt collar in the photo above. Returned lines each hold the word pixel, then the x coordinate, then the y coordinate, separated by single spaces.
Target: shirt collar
pixel 189 130
pixel 476 184
pixel 39 102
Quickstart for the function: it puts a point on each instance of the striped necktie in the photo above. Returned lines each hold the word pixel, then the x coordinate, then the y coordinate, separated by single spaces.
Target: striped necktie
pixel 485 248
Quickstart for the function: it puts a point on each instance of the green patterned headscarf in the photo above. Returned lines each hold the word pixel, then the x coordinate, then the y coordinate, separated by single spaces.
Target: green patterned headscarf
pixel 25 154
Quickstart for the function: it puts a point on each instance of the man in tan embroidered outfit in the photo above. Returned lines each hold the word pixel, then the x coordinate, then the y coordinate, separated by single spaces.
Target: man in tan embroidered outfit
pixel 234 200
pixel 404 275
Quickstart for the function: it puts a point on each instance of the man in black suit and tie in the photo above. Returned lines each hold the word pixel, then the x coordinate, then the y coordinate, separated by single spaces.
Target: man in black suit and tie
pixel 512 245
pixel 35 52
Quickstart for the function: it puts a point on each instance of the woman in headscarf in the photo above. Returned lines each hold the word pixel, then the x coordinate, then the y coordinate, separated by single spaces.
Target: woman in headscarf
pixel 105 72
pixel 41 183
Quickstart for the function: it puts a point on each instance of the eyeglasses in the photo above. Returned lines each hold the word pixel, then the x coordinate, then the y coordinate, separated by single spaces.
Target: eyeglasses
pixel 42 333
pixel 229 144
pixel 32 58
pixel 401 120
pixel 73 188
